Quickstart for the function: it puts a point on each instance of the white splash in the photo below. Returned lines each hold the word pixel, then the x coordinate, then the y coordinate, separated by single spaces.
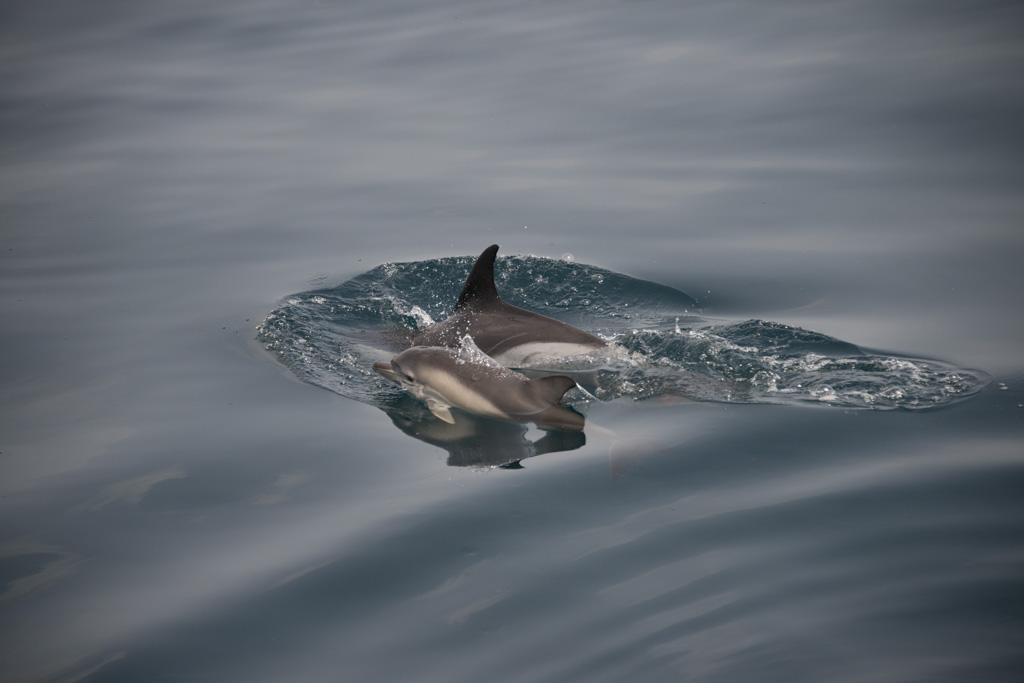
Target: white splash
pixel 469 352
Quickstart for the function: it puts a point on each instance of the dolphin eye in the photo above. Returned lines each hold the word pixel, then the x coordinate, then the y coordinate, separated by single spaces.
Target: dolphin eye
pixel 405 375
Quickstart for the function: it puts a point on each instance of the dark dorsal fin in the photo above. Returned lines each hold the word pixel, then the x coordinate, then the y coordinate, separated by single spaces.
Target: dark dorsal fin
pixel 549 390
pixel 479 285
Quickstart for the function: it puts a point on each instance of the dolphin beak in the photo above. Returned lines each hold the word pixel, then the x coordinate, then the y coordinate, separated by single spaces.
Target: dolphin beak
pixel 385 369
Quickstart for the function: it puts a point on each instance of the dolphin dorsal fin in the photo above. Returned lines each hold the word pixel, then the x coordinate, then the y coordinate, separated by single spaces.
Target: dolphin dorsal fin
pixel 550 389
pixel 479 285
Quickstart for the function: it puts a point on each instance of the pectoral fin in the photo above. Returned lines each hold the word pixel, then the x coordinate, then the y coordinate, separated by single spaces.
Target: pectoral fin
pixel 440 411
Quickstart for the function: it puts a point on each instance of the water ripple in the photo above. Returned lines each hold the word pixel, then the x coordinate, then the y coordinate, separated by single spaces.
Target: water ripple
pixel 660 344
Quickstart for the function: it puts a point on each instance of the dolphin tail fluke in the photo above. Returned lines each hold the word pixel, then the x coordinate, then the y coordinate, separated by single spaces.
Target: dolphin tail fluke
pixel 480 283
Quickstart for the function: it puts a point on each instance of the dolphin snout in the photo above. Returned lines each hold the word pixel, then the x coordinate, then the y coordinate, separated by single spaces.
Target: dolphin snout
pixel 384 368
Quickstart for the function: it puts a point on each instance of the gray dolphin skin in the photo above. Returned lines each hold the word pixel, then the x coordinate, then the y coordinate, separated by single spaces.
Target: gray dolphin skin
pixel 510 335
pixel 444 378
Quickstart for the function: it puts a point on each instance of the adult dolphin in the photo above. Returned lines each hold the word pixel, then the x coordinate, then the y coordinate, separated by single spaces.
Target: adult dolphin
pixel 510 335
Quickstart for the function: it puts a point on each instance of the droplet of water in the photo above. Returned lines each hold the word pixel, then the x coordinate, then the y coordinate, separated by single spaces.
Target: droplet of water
pixel 568 258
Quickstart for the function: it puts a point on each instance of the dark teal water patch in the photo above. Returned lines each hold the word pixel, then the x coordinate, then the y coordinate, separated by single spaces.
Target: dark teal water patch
pixel 660 345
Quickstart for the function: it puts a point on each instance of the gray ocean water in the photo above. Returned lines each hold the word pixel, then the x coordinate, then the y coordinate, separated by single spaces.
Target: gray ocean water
pixel 801 222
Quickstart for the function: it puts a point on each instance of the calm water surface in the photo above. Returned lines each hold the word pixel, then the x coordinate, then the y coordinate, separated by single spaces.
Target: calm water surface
pixel 176 504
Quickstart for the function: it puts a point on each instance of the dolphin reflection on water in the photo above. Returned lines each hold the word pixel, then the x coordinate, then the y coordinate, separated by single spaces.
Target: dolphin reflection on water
pixel 475 441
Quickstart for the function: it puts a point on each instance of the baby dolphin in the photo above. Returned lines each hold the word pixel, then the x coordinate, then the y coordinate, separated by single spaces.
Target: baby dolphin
pixel 464 378
pixel 512 336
